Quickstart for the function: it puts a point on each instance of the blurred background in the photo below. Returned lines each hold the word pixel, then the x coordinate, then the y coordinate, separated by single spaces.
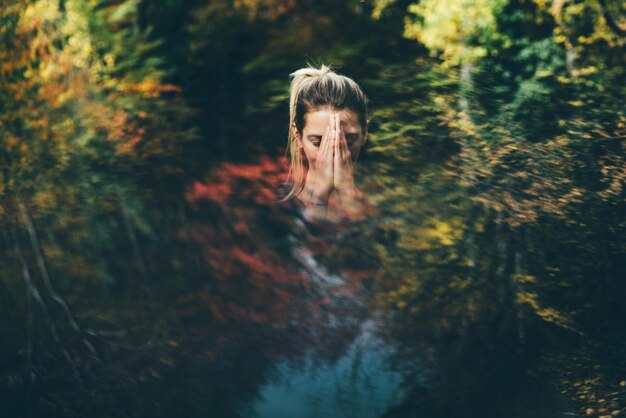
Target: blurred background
pixel 147 271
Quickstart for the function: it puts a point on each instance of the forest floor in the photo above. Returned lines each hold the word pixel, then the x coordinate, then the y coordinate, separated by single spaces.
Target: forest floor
pixel 594 384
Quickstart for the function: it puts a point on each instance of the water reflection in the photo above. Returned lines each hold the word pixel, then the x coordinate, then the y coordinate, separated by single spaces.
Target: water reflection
pixel 360 383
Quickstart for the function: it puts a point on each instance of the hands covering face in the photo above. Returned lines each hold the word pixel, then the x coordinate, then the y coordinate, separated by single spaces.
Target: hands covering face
pixel 342 159
pixel 333 163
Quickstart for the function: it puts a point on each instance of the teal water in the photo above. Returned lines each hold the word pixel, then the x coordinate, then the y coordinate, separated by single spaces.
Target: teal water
pixel 359 384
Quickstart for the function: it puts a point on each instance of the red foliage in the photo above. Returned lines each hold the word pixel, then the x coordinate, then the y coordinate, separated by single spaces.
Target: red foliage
pixel 251 279
pixel 257 181
pixel 251 243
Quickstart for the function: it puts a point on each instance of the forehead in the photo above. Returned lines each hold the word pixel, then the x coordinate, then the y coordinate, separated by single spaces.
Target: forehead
pixel 317 121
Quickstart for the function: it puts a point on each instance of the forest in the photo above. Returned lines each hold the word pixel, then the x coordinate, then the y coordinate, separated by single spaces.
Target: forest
pixel 147 270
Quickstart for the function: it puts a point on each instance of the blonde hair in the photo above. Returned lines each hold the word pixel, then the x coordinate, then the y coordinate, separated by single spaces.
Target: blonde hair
pixel 314 89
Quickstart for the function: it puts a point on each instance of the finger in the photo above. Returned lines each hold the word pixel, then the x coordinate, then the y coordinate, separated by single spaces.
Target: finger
pixel 324 136
pixel 330 154
pixel 338 147
pixel 325 140
pixel 331 143
pixel 343 142
pixel 336 136
pixel 339 128
pixel 329 130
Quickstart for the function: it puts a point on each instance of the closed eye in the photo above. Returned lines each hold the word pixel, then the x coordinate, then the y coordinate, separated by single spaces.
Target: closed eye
pixel 315 140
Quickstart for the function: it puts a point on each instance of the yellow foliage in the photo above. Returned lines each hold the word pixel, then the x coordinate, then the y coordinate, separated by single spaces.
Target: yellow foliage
pixel 434 234
pixel 445 26
pixel 585 71
pixel 525 278
pixel 380 6
pixel 548 314
pixel 37 13
pixel 544 73
pixel 75 27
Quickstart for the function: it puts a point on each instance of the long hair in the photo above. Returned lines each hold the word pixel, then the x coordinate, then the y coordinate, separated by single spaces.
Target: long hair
pixel 314 89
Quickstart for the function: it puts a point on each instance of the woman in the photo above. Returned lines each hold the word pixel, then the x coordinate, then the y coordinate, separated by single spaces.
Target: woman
pixel 328 126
